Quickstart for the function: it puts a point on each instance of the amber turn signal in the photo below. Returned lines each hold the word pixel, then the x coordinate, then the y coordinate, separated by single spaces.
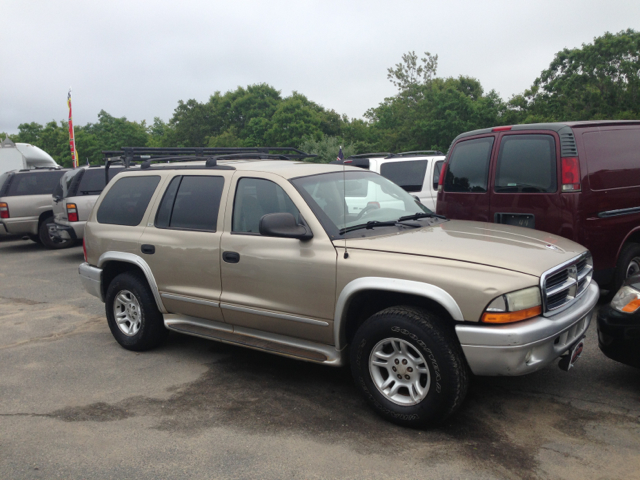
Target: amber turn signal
pixel 510 317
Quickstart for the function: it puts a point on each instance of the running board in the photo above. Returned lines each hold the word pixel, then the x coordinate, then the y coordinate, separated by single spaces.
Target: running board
pixel 256 339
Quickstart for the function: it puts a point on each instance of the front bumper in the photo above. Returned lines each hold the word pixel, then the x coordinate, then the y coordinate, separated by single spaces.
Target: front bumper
pixel 527 346
pixel 91 278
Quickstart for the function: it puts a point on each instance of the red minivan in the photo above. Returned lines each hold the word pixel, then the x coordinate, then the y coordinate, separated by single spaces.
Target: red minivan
pixel 579 180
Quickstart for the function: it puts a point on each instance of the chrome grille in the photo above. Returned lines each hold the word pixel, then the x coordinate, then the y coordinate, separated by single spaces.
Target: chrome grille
pixel 562 285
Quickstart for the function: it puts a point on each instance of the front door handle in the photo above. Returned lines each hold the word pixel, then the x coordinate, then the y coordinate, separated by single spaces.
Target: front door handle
pixel 231 257
pixel 148 249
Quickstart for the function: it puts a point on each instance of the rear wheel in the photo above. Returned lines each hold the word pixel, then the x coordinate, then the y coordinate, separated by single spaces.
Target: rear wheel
pixel 409 366
pixel 133 316
pixel 47 240
pixel 627 266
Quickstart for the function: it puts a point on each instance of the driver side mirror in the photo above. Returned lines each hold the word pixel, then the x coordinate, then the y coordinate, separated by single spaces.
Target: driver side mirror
pixel 283 225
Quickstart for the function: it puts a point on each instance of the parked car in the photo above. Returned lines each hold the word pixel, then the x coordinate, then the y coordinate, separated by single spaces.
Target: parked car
pixel 619 324
pixel 264 254
pixel 579 180
pixel 417 172
pixel 73 199
pixel 25 203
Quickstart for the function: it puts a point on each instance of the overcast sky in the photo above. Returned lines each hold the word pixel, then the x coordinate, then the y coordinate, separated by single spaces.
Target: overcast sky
pixel 137 59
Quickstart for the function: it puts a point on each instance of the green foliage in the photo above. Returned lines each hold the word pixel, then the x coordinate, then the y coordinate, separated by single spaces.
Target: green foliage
pixel 599 81
pixel 326 148
pixel 408 74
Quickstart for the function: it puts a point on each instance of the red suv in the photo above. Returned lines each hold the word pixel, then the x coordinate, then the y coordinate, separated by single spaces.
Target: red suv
pixel 580 180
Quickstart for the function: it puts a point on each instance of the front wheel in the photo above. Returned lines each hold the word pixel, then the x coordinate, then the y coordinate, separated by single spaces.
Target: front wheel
pixel 409 366
pixel 133 316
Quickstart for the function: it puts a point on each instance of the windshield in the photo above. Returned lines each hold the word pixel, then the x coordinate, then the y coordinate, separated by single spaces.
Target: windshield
pixel 345 200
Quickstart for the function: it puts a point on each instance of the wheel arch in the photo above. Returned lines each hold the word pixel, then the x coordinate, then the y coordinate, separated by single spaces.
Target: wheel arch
pixel 114 263
pixel 365 296
pixel 632 237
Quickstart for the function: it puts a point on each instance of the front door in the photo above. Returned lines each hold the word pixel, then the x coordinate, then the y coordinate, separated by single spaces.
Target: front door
pixel 280 285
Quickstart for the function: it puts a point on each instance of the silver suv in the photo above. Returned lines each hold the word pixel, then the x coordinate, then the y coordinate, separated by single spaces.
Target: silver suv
pixel 268 255
pixel 25 204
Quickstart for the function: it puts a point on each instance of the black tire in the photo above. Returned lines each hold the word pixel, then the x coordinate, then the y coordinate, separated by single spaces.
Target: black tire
pixel 45 238
pixel 628 264
pixel 421 333
pixel 144 323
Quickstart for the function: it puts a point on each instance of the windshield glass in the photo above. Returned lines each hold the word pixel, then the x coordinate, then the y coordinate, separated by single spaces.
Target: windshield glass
pixel 347 199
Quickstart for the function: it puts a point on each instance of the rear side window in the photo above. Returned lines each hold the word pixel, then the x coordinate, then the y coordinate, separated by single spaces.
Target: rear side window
pixel 191 203
pixel 613 157
pixel 126 202
pixel 527 164
pixel 468 166
pixel 92 181
pixel 41 183
pixel 408 175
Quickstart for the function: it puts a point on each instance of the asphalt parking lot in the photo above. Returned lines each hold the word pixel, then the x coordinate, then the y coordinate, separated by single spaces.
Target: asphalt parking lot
pixel 73 404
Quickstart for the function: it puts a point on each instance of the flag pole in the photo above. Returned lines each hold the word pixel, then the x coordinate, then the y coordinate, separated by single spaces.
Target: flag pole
pixel 72 137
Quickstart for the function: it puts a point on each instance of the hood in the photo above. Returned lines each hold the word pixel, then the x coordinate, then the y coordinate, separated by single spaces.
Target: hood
pixel 513 248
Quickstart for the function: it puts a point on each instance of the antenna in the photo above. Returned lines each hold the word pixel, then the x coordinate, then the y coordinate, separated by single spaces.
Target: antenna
pixel 344 202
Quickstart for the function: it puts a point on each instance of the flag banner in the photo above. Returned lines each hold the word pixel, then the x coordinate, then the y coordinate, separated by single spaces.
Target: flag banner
pixel 340 155
pixel 72 137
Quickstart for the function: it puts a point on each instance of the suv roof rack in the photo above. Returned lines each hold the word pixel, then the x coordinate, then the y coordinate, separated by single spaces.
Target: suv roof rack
pixel 40 168
pixel 417 153
pixel 129 156
pixel 371 155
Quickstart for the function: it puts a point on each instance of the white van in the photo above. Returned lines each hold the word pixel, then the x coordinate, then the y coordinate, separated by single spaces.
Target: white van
pixel 417 172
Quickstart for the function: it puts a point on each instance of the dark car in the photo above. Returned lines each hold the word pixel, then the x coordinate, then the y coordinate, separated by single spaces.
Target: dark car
pixel 579 180
pixel 619 324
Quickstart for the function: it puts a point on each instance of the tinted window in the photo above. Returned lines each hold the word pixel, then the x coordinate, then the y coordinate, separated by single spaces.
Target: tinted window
pixel 191 202
pixel 92 181
pixel 527 164
pixel 409 175
pixel 41 183
pixel 127 200
pixel 613 157
pixel 3 179
pixel 256 197
pixel 469 166
pixel 437 168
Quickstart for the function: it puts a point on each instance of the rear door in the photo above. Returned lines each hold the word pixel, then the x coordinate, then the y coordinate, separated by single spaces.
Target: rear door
pixel 524 186
pixel 465 193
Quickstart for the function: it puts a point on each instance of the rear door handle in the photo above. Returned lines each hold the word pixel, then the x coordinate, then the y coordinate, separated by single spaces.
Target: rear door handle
pixel 148 249
pixel 231 257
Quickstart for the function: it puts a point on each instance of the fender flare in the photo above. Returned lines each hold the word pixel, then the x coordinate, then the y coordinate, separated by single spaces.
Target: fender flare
pixel 113 256
pixel 421 289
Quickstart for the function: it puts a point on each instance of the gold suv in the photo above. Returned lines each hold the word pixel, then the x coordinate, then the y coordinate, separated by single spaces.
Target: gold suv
pixel 335 265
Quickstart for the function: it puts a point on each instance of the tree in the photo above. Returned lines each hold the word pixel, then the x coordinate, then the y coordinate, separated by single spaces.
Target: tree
pixel 601 80
pixel 408 73
pixel 326 148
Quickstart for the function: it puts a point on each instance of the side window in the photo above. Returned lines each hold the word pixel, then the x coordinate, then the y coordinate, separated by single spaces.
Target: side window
pixel 126 202
pixel 256 197
pixel 191 203
pixel 41 183
pixel 409 175
pixel 468 167
pixel 437 168
pixel 92 181
pixel 527 164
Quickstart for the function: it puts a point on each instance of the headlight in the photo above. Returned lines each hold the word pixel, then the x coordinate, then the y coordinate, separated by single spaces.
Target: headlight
pixel 514 306
pixel 626 300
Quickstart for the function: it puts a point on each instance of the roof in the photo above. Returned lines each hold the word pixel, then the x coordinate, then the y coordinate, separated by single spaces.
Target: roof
pixel 555 126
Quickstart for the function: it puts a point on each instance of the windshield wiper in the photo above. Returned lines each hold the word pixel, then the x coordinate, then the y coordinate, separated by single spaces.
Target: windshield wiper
pixel 416 216
pixel 376 223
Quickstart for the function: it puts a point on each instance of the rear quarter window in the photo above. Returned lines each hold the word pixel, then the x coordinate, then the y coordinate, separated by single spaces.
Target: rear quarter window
pixel 127 200
pixel 468 166
pixel 40 183
pixel 409 175
pixel 92 181
pixel 613 157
